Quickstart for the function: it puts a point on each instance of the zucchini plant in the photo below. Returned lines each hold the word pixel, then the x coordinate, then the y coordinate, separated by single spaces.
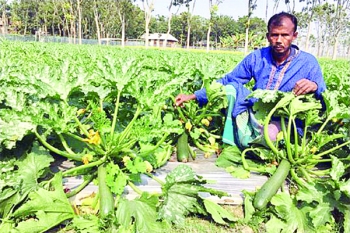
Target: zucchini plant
pixel 202 124
pixel 309 155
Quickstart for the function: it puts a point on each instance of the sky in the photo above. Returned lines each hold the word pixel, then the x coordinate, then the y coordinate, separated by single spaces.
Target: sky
pixel 233 8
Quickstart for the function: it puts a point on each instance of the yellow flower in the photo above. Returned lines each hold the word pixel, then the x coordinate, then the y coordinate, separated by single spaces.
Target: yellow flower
pixel 313 150
pixel 212 141
pixel 87 158
pixel 188 126
pixel 126 159
pixel 205 122
pixel 149 167
pixel 93 137
pixel 81 111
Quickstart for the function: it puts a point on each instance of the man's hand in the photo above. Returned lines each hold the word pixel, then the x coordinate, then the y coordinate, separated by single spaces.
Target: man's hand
pixel 181 98
pixel 304 86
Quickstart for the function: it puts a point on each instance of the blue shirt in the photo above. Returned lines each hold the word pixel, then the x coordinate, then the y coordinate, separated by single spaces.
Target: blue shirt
pixel 260 66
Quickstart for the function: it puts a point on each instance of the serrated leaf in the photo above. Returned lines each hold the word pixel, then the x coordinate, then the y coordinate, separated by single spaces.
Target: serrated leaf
pixel 180 200
pixel 141 213
pixel 86 224
pixel 217 212
pixel 181 195
pixel 321 214
pixel 275 225
pixel 309 194
pixel 46 208
pixel 345 187
pixel 337 169
pixel 33 166
pixel 285 208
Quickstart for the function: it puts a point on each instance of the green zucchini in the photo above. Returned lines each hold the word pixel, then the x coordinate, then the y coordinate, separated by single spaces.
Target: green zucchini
pixel 271 186
pixel 182 151
pixel 106 196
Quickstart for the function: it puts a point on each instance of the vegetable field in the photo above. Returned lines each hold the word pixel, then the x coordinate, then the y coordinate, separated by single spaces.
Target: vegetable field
pixel 111 112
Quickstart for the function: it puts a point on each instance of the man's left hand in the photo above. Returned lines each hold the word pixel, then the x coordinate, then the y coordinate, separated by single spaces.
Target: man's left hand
pixel 304 86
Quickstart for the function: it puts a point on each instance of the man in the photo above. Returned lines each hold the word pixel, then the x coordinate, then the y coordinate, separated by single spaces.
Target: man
pixel 280 66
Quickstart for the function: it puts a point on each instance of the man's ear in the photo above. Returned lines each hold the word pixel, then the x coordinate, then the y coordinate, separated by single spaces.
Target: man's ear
pixel 295 35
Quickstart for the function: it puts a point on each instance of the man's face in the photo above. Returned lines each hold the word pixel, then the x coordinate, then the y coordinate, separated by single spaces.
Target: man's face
pixel 281 37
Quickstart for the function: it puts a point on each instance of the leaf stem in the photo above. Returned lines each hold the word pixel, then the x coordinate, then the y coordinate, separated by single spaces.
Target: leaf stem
pixel 331 150
pixel 126 131
pixel 64 143
pixel 266 132
pixel 135 188
pixel 85 166
pixel 165 136
pixel 297 179
pixel 324 124
pixel 55 150
pixel 80 187
pixel 296 141
pixel 245 163
pixel 159 181
pixel 115 115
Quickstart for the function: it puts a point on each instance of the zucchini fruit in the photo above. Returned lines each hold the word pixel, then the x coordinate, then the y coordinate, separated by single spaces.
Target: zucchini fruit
pixel 106 196
pixel 271 186
pixel 182 148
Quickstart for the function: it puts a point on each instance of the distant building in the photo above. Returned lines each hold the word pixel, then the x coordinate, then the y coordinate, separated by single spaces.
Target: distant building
pixel 157 39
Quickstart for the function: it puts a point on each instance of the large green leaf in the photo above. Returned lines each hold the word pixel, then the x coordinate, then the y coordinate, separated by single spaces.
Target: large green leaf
pixel 141 213
pixel 181 195
pixel 32 167
pixel 296 219
pixel 218 213
pixel 46 208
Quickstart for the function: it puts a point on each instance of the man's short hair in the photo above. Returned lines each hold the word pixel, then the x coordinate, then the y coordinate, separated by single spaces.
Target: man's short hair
pixel 276 20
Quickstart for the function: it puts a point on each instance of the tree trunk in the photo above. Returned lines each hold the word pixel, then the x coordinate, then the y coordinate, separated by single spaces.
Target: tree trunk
pixel 123 30
pixel 189 24
pixel 188 35
pixel 307 40
pixel 98 32
pixel 79 22
pixel 4 20
pixel 148 8
pixel 335 48
pixel 247 28
pixel 275 7
pixel 25 23
pixel 208 38
pixel 169 25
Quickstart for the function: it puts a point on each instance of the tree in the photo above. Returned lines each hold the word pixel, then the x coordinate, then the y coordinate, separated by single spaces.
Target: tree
pixel 251 7
pixel 124 8
pixel 213 9
pixel 309 11
pixel 323 17
pixel 4 16
pixel 339 22
pixel 223 26
pixel 170 15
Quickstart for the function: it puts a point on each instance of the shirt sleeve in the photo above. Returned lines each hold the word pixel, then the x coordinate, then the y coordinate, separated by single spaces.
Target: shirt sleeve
pixel 241 74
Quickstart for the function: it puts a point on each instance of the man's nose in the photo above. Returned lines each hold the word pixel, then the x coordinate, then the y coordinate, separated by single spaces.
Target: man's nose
pixel 279 38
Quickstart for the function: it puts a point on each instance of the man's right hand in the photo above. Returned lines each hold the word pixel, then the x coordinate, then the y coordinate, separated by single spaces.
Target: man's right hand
pixel 181 98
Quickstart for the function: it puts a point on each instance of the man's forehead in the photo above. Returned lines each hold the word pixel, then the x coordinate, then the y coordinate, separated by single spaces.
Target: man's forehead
pixel 284 22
